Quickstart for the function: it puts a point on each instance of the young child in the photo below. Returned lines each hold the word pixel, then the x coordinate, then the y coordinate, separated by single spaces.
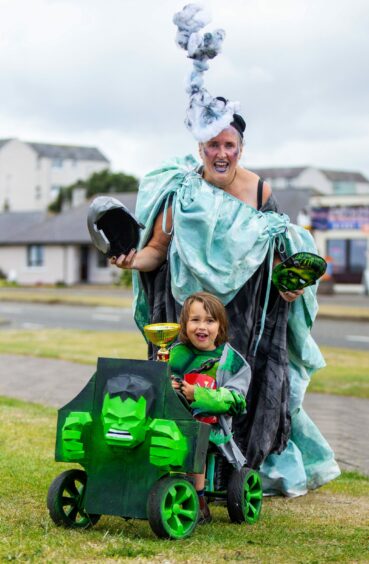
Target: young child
pixel 204 347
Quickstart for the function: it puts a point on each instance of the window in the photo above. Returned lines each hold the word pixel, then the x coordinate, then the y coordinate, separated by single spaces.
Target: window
pixel 357 256
pixel 54 192
pixel 38 193
pixel 344 187
pixel 35 255
pixel 57 162
pixel 336 248
pixel 349 255
pixel 102 261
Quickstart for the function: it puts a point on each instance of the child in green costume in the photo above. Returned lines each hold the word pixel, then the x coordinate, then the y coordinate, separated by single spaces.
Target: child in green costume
pixel 204 348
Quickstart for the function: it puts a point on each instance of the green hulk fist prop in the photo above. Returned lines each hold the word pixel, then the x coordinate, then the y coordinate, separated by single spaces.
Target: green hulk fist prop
pixel 128 429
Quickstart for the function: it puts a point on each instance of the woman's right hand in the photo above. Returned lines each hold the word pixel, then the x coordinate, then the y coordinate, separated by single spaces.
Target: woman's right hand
pixel 125 261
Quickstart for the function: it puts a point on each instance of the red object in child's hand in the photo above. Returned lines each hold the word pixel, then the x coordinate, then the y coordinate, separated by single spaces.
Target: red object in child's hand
pixel 204 381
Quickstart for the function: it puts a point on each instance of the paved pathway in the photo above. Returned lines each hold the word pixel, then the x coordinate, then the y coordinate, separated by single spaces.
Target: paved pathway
pixel 344 421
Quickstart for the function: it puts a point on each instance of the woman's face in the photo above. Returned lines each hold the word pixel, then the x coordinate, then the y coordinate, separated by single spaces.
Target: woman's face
pixel 220 156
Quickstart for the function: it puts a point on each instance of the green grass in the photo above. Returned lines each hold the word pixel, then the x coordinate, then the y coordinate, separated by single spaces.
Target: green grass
pixel 328 525
pixel 73 344
pixel 346 374
pixel 343 312
pixel 64 297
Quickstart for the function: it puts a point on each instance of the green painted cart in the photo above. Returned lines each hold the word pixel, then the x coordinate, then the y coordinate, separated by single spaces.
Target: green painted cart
pixel 137 443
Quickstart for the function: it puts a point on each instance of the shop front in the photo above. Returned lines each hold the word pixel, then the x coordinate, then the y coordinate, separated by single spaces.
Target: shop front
pixel 341 230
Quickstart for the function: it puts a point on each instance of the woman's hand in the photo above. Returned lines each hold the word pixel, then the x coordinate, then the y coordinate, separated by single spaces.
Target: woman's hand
pixel 125 261
pixel 291 296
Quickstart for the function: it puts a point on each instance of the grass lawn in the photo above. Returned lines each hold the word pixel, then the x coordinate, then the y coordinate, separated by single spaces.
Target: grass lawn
pixel 328 525
pixel 73 344
pixel 96 296
pixel 346 373
pixel 343 312
pixel 64 297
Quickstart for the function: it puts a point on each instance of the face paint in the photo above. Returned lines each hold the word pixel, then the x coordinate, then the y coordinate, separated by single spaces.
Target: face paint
pixel 125 422
pixel 220 156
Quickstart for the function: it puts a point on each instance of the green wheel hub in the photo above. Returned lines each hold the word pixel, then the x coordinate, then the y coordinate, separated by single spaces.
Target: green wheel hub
pixel 179 509
pixel 253 496
pixel 244 496
pixel 173 508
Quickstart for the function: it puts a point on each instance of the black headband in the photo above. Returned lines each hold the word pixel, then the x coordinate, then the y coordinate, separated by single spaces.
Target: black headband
pixel 239 124
pixel 238 121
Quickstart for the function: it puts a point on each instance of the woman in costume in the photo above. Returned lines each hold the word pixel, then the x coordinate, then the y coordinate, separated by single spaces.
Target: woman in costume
pixel 214 226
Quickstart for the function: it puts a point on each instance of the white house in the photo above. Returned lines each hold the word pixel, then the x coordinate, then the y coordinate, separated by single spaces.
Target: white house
pixel 32 174
pixel 40 248
pixel 317 180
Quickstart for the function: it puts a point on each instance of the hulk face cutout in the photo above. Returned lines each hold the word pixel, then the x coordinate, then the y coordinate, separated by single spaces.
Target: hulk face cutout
pixel 124 421
pixel 298 271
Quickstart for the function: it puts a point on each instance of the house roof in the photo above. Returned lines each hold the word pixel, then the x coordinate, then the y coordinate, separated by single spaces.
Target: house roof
pixel 283 172
pixel 14 224
pixel 69 227
pixel 68 152
pixel 293 172
pixel 74 152
pixel 342 175
pixel 291 201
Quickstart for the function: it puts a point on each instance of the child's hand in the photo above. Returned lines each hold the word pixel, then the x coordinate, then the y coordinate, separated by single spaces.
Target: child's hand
pixel 176 382
pixel 188 390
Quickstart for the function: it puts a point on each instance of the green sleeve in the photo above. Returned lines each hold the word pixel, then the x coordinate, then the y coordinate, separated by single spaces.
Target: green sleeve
pixel 180 357
pixel 218 401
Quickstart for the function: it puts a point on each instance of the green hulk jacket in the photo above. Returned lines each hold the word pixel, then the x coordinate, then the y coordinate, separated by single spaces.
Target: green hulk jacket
pixel 232 375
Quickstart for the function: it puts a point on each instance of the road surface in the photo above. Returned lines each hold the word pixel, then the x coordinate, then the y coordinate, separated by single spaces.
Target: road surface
pixel 335 333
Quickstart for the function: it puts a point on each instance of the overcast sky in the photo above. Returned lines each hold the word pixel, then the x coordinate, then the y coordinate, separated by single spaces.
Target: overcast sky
pixel 108 73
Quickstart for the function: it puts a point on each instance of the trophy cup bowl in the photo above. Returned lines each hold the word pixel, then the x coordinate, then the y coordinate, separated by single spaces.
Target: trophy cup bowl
pixel 162 335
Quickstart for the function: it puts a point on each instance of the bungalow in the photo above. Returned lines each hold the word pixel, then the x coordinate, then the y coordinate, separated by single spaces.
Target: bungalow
pixel 39 248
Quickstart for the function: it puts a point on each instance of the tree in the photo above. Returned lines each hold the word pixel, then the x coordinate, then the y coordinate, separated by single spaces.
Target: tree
pixel 103 182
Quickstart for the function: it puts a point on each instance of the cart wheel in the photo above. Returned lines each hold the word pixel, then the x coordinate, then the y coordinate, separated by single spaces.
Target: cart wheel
pixel 65 500
pixel 173 508
pixel 244 496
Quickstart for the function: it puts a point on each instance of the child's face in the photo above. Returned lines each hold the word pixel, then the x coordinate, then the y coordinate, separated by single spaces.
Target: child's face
pixel 202 329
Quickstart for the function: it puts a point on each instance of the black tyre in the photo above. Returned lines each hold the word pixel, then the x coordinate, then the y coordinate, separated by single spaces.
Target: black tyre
pixel 244 496
pixel 173 508
pixel 65 501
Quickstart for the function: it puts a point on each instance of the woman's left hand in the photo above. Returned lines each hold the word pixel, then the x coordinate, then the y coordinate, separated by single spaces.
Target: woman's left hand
pixel 291 296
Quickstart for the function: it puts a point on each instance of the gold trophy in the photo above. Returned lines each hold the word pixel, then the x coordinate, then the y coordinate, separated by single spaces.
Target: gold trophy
pixel 162 335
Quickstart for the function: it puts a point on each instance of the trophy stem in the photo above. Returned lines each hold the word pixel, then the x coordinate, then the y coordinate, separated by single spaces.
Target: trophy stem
pixel 163 354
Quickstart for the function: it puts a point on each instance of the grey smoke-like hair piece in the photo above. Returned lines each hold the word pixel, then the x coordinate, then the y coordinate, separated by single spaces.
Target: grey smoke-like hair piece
pixel 206 116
